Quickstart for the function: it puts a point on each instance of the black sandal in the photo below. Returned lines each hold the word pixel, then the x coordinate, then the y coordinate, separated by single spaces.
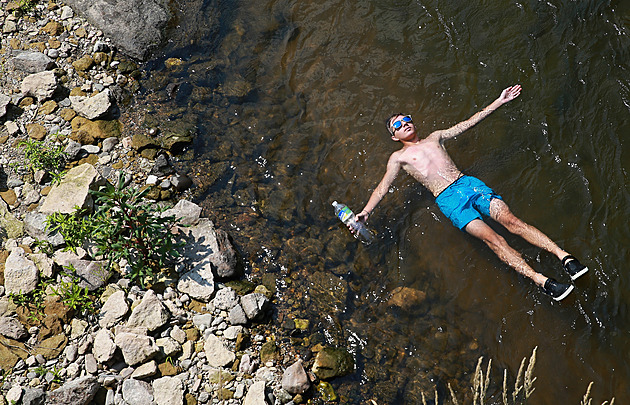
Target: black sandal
pixel 573 266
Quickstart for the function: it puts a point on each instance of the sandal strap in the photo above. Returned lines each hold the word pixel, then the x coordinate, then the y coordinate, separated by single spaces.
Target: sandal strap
pixel 566 259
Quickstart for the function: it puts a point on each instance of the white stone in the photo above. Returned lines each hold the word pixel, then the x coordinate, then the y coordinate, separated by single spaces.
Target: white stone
pixel 103 347
pixel 217 354
pixel 114 310
pixel 136 392
pixel 136 349
pixel 41 85
pixel 150 313
pixel 20 273
pixel 168 391
pixel 92 107
pixel 255 394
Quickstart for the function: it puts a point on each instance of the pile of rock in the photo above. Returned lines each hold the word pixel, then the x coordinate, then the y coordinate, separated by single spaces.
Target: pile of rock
pixel 62 82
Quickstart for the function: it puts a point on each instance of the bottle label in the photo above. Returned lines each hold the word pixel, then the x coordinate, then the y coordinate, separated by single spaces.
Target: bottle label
pixel 344 214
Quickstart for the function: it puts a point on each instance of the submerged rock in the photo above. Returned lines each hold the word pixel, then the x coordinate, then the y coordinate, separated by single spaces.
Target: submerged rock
pixel 333 362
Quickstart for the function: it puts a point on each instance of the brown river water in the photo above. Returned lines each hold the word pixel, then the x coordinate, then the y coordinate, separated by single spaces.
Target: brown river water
pixel 288 99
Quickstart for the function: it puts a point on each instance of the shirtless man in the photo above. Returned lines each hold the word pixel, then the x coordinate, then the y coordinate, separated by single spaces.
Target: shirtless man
pixel 463 199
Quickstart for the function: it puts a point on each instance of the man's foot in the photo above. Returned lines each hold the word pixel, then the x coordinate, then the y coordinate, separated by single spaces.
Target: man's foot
pixel 556 290
pixel 573 267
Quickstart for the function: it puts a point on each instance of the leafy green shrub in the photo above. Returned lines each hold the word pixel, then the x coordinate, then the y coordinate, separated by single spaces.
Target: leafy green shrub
pixel 44 155
pixel 72 295
pixel 124 226
pixel 128 227
pixel 75 227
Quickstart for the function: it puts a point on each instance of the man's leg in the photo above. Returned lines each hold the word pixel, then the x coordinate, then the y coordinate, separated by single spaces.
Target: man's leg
pixel 505 252
pixel 500 212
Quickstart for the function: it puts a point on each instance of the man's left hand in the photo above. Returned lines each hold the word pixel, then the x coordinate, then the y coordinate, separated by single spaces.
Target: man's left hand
pixel 510 93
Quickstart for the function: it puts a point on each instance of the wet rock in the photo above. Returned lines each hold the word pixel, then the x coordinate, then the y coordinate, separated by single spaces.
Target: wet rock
pixel 73 190
pixel 333 362
pixel 77 392
pixel 187 212
pixel 12 328
pixel 217 353
pixel 150 313
pixel 181 182
pixel 31 61
pixel 41 85
pixel 328 291
pixel 162 167
pixel 406 297
pixel 92 107
pixel 254 305
pixel 137 392
pixel 255 394
pixel 114 310
pixel 103 347
pixel 295 380
pixel 168 391
pixel 134 26
pixel 136 349
pixel 20 273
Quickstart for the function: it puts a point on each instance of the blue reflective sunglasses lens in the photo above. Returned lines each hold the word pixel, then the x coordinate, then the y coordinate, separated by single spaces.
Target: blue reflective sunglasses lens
pixel 396 125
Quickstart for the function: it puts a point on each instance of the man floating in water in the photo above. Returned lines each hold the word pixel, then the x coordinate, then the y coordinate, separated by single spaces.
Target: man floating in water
pixel 464 199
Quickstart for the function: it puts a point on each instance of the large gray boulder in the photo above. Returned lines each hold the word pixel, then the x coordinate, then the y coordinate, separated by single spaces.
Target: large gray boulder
pixel 134 26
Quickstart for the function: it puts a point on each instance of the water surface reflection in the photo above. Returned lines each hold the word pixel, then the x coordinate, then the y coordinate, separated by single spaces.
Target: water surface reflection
pixel 288 99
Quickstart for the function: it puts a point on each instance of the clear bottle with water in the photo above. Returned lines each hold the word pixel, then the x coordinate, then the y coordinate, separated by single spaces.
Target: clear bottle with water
pixel 346 216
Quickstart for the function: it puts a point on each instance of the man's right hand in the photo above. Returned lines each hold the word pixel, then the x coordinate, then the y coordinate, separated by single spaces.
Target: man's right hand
pixel 362 216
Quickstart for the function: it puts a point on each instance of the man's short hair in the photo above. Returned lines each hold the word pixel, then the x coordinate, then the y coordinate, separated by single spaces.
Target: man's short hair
pixel 389 127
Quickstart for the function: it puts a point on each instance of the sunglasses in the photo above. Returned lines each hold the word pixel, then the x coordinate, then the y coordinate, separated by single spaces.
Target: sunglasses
pixel 398 124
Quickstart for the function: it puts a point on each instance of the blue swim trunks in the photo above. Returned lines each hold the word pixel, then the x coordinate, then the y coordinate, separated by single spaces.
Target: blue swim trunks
pixel 466 199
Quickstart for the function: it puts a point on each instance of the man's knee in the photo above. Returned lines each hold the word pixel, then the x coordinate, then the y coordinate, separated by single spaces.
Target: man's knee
pixel 495 241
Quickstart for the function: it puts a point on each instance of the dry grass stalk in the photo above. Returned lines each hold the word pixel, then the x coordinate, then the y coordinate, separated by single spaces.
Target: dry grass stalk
pixel 453 397
pixel 480 383
pixel 587 400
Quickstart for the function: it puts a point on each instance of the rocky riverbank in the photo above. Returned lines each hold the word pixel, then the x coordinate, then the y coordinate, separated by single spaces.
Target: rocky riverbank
pixel 198 333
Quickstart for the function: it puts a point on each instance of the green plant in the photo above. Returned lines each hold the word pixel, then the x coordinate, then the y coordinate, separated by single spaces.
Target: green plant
pixel 24 6
pixel 33 302
pixel 42 371
pixel 71 294
pixel 43 155
pixel 44 246
pixel 75 227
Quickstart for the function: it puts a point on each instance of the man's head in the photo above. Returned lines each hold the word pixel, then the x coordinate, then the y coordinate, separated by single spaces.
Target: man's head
pixel 398 122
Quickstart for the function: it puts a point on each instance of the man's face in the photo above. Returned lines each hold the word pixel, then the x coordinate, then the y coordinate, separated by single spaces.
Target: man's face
pixel 402 127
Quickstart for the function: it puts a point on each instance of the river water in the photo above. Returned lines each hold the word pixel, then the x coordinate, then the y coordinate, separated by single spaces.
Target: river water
pixel 288 98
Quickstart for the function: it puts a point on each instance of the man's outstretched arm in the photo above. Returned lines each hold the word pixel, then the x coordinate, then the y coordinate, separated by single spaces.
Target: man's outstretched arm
pixel 393 167
pixel 507 95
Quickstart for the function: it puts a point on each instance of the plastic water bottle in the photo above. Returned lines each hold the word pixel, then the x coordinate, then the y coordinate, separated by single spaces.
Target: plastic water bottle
pixel 346 216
